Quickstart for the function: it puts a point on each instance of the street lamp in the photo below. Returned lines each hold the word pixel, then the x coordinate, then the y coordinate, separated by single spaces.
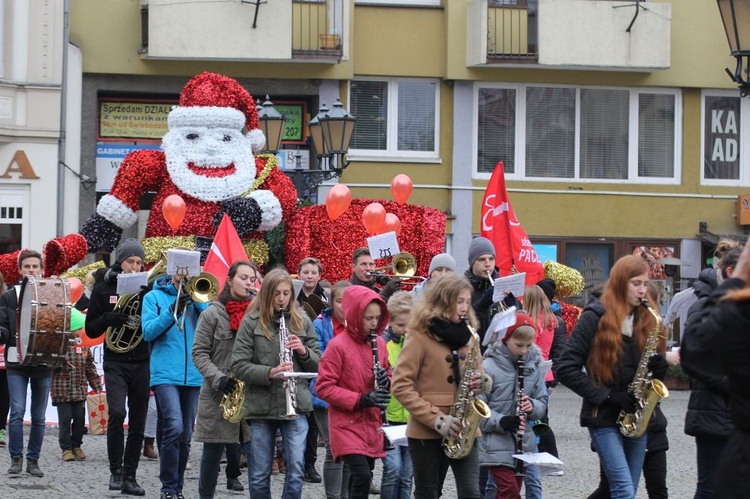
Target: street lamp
pixel 735 14
pixel 272 125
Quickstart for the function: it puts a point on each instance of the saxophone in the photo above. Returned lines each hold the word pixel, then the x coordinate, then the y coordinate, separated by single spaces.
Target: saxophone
pixel 290 384
pixel 467 407
pixel 647 391
pixel 233 404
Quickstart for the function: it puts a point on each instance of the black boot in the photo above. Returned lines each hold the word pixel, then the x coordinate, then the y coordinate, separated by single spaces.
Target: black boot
pixel 115 481
pixel 311 474
pixel 131 487
pixel 234 484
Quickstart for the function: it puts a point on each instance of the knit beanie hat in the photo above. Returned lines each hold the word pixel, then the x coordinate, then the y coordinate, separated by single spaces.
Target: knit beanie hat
pixel 548 286
pixel 442 260
pixel 522 320
pixel 130 247
pixel 77 320
pixel 478 247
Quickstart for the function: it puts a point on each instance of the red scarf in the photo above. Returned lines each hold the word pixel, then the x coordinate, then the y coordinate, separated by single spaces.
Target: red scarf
pixel 236 311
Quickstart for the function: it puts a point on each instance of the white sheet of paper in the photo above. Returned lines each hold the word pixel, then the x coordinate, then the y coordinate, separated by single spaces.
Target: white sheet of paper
pixel 544 367
pixel 383 245
pixel 500 322
pixel 546 462
pixel 130 283
pixel 183 262
pixel 297 284
pixel 514 283
pixel 289 374
pixel 396 434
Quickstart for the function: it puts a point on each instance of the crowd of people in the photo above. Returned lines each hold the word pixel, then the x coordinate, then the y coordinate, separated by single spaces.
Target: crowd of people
pixel 351 364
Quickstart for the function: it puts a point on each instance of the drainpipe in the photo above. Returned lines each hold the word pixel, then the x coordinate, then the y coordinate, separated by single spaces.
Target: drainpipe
pixel 63 116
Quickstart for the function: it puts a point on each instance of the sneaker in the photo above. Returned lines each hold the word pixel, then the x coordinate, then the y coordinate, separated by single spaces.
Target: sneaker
pixel 32 468
pixel 78 453
pixel 3 437
pixel 235 485
pixel 115 481
pixel 16 465
pixel 67 455
pixel 131 487
pixel 167 495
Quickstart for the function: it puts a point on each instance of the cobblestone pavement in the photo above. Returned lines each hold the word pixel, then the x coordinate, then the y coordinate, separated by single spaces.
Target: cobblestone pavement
pixel 89 478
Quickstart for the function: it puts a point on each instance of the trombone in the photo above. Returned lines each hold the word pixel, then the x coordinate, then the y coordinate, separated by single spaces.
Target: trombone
pixel 403 266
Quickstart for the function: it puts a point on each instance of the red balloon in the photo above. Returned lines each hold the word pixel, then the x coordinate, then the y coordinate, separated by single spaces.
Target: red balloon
pixel 174 210
pixel 374 218
pixel 76 289
pixel 401 187
pixel 86 341
pixel 338 200
pixel 392 223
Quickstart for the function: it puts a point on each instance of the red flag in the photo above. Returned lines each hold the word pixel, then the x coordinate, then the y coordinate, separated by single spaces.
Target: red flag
pixel 500 225
pixel 225 250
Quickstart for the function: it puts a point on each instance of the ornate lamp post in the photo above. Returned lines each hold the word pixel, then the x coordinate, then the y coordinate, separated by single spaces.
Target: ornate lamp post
pixel 272 125
pixel 735 14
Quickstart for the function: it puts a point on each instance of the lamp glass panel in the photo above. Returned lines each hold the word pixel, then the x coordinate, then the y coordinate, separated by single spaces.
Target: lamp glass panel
pixel 316 134
pixel 273 130
pixel 737 27
pixel 334 129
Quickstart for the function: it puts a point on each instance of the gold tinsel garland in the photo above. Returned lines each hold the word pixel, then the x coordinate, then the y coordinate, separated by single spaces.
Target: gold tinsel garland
pixel 256 249
pixel 81 272
pixel 568 280
pixel 271 163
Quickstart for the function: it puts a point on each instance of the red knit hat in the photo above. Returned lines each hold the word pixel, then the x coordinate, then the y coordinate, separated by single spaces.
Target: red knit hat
pixel 521 320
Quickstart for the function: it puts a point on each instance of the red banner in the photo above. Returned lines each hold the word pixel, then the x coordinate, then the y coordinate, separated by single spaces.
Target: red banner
pixel 513 249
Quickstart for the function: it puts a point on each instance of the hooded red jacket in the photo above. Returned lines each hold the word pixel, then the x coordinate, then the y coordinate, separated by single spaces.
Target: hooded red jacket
pixel 345 373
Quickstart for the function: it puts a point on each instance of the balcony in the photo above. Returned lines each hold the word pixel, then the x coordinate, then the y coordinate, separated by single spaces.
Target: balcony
pixel 569 34
pixel 282 31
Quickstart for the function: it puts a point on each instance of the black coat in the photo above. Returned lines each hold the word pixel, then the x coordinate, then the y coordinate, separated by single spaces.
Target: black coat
pixel 708 407
pixel 558 344
pixel 481 300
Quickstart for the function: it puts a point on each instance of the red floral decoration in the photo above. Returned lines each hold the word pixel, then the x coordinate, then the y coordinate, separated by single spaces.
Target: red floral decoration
pixel 309 232
pixel 62 253
pixel 570 314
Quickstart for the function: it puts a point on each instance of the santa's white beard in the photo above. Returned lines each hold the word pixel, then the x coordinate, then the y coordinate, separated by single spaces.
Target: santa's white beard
pixel 203 187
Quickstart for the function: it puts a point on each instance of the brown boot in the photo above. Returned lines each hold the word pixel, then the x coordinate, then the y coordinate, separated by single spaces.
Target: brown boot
pixel 148 449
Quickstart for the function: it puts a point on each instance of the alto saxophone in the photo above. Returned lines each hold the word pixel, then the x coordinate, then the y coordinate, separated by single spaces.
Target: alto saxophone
pixel 467 407
pixel 233 404
pixel 290 384
pixel 647 391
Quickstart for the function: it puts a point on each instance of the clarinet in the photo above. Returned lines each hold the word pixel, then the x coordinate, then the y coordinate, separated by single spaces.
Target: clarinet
pixel 387 445
pixel 520 466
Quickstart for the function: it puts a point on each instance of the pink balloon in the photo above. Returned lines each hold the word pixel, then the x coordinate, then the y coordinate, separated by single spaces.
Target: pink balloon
pixel 401 188
pixel 392 223
pixel 76 289
pixel 174 210
pixel 338 200
pixel 374 218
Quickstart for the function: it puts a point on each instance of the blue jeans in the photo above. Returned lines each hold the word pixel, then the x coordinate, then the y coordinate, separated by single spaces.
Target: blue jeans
pixel 533 483
pixel 262 443
pixel 398 474
pixel 621 458
pixel 177 406
pixel 17 386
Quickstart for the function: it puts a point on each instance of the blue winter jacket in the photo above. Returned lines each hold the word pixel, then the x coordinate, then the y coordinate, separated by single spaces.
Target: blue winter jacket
pixel 171 362
pixel 324 328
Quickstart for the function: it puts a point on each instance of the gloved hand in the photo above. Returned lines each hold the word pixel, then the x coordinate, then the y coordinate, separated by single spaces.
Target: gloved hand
pixel 392 286
pixel 227 385
pixel 115 319
pixel 485 300
pixel 481 383
pixel 447 425
pixel 382 378
pixel 245 214
pixel 376 398
pixel 100 234
pixel 183 301
pixel 511 301
pixel 510 423
pixel 624 400
pixel 658 365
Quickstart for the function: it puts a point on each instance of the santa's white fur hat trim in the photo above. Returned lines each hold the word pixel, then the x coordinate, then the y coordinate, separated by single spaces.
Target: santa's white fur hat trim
pixel 205 116
pixel 116 212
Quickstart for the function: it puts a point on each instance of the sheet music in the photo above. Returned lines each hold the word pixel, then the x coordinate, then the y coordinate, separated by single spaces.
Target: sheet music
pixel 396 434
pixel 289 374
pixel 514 283
pixel 500 322
pixel 183 262
pixel 129 283
pixel 383 245
pixel 546 462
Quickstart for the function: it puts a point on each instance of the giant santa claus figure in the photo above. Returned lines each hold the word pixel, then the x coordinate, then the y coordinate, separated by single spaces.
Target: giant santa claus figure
pixel 207 160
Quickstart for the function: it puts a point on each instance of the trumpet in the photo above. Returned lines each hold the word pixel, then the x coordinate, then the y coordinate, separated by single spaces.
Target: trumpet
pixel 403 266
pixel 202 289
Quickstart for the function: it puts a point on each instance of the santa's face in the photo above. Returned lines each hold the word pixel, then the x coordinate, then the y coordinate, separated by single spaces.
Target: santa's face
pixel 210 164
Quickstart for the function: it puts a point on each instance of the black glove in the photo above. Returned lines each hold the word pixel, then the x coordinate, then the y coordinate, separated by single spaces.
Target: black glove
pixel 658 365
pixel 145 288
pixel 511 301
pixel 376 398
pixel 100 234
pixel 382 378
pixel 244 212
pixel 485 300
pixel 624 400
pixel 392 286
pixel 115 319
pixel 227 385
pixel 183 301
pixel 510 423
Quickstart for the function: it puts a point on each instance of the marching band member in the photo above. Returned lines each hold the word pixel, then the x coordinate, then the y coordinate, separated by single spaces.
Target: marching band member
pixel 174 378
pixel 212 355
pixel 126 374
pixel 480 274
pixel 355 388
pixel 608 341
pixel 426 384
pixel 440 264
pixel 362 274
pixel 309 272
pixel 257 361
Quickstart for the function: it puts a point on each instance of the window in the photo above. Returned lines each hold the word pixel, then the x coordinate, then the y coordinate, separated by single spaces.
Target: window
pixel 12 203
pixel 404 3
pixel 725 116
pixel 585 134
pixel 395 118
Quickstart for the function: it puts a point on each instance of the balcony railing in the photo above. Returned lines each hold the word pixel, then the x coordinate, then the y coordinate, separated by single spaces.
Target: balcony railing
pixel 512 31
pixel 317 29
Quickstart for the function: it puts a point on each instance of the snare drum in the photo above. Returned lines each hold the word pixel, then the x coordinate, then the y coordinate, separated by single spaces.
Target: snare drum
pixel 43 324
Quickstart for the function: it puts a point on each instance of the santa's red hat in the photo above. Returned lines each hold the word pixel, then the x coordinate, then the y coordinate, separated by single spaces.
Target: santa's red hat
pixel 213 100
pixel 62 253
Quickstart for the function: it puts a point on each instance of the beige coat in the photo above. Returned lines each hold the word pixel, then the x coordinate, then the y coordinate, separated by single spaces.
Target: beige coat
pixel 420 382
